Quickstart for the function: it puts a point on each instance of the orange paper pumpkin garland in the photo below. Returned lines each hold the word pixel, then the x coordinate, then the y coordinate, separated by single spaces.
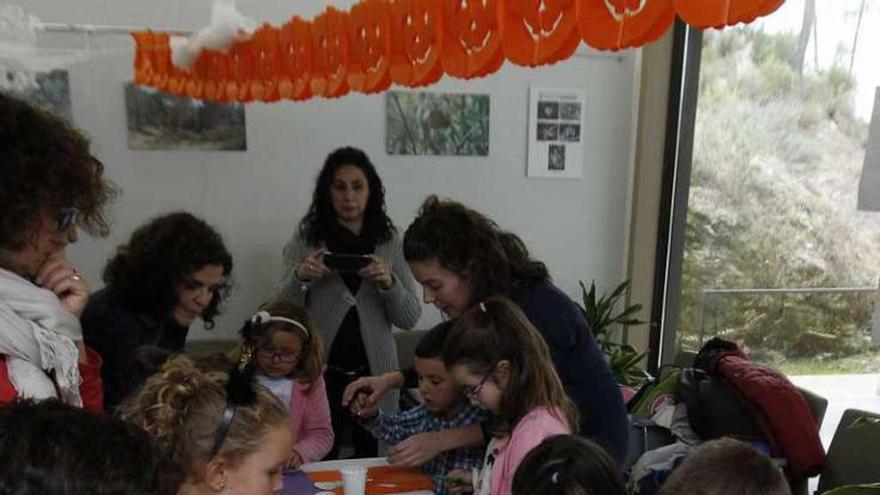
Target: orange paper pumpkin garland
pixel 413 43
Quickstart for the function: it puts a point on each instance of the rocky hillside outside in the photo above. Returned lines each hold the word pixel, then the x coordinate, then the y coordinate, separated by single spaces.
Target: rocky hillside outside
pixel 777 157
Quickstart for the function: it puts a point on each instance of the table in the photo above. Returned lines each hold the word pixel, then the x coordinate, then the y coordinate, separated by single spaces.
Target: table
pixel 299 483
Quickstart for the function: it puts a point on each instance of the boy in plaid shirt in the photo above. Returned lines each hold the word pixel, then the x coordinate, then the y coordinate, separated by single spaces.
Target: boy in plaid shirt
pixel 445 407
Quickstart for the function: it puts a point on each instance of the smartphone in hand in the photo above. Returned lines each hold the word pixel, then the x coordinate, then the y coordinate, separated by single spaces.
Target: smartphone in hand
pixel 346 263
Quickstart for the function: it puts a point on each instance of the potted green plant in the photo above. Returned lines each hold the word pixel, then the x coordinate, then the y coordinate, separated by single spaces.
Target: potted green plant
pixel 603 314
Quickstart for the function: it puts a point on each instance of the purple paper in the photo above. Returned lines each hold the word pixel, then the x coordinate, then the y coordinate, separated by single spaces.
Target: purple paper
pixel 298 483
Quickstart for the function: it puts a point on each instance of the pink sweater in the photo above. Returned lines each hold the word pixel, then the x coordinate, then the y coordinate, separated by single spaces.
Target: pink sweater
pixel 509 451
pixel 310 420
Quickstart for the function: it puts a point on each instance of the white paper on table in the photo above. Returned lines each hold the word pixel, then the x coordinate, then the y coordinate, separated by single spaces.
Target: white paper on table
pixel 869 184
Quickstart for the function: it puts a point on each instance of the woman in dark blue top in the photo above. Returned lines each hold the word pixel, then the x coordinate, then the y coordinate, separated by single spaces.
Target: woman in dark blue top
pixel 461 257
pixel 174 269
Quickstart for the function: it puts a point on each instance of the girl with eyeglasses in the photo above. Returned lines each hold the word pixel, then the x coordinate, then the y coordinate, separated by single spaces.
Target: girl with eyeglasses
pixel 289 359
pixel 505 366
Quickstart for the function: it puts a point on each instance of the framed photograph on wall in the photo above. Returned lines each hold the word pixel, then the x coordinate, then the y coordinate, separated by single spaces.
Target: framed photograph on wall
pixel 426 123
pixel 51 92
pixel 160 121
pixel 556 138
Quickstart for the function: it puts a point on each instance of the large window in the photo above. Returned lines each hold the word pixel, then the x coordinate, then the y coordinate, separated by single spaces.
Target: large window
pixel 774 253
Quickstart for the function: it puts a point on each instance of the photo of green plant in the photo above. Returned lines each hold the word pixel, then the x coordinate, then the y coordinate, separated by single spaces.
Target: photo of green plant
pixel 421 123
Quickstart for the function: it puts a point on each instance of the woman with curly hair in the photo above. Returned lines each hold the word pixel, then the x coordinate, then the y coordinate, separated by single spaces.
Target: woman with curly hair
pixel 353 307
pixel 461 258
pixel 50 184
pixel 173 270
pixel 216 432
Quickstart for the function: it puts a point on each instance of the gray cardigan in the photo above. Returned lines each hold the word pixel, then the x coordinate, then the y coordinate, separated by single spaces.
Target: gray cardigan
pixel 328 300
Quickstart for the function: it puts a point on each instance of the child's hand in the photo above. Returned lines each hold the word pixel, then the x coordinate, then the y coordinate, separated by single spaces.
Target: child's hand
pixel 460 481
pixel 294 461
pixel 363 407
pixel 416 449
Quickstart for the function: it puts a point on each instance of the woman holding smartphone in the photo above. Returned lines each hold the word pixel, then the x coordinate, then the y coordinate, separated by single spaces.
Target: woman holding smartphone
pixel 354 304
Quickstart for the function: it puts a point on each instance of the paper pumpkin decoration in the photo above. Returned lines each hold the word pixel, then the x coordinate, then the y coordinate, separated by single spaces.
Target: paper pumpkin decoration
pixel 720 13
pixel 162 61
pixel 238 87
pixel 296 59
pixel 471 38
pixel 212 76
pixel 195 81
pixel 330 54
pixel 538 32
pixel 618 24
pixel 267 46
pixel 369 69
pixel 416 42
pixel 143 57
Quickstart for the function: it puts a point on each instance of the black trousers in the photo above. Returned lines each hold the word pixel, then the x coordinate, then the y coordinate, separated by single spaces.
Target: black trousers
pixel 343 421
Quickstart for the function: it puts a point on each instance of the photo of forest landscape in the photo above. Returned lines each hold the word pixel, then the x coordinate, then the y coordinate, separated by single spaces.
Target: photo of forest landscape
pixel 421 123
pixel 52 93
pixel 159 121
pixel 778 151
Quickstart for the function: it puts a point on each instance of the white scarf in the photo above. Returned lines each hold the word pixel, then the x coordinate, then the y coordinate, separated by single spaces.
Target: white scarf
pixel 38 336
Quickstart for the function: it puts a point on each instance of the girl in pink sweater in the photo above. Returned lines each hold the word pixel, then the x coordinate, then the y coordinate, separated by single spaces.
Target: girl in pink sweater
pixel 289 362
pixel 505 367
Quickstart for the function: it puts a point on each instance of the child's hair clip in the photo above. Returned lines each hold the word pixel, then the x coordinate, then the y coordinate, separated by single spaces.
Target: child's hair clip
pixel 483 307
pixel 554 478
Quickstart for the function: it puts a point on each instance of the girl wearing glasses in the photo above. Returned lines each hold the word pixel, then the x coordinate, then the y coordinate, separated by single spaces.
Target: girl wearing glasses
pixel 50 184
pixel 289 361
pixel 505 367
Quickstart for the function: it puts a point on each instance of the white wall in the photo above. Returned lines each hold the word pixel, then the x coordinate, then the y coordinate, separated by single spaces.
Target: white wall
pixel 256 198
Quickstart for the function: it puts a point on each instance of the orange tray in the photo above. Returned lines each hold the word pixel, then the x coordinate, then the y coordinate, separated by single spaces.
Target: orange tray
pixel 382 480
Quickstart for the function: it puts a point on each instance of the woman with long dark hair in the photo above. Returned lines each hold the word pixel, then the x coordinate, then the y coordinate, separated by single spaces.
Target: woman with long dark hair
pixel 174 269
pixel 461 257
pixel 355 301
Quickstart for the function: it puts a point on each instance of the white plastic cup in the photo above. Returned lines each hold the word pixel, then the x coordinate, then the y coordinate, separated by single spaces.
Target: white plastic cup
pixel 354 480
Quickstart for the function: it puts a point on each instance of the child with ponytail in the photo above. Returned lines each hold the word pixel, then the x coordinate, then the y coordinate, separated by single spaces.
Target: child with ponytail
pixel 505 367
pixel 217 432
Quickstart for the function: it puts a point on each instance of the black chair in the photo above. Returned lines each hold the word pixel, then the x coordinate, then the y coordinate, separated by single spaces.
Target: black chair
pixel 854 454
pixel 818 405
